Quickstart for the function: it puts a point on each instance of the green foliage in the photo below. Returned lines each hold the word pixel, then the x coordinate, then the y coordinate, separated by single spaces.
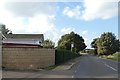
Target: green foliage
pixel 94 44
pixel 115 56
pixel 67 39
pixel 90 51
pixel 107 44
pixel 48 44
pixel 83 51
pixel 4 30
pixel 62 56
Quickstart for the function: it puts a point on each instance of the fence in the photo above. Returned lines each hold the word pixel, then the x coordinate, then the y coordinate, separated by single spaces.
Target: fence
pixel 62 56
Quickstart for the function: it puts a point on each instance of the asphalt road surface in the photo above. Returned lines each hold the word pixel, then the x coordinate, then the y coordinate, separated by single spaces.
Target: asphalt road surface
pixel 87 66
pixel 94 67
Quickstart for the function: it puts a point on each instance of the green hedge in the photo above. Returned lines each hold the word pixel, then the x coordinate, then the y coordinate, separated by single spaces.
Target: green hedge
pixel 62 56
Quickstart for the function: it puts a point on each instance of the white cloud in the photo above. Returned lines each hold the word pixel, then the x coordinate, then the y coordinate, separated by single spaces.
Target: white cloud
pixel 99 9
pixel 75 12
pixel 67 30
pixel 40 24
pixel 13 23
pixel 87 42
pixel 84 32
pixel 27 17
pixel 30 9
pixel 93 9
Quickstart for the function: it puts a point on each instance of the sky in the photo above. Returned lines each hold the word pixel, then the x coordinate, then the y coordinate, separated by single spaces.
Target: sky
pixel 54 18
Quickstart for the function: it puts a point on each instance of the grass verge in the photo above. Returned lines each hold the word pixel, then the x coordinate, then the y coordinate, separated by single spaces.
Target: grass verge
pixel 115 56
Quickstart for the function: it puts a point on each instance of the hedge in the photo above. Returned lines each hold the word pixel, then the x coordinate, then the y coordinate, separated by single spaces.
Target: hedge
pixel 62 56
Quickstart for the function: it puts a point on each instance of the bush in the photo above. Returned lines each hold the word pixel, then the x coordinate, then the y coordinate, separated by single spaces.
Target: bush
pixel 62 56
pixel 91 51
pixel 115 56
pixel 83 51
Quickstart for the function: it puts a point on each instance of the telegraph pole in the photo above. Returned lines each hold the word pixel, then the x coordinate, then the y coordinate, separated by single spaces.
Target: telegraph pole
pixel 72 45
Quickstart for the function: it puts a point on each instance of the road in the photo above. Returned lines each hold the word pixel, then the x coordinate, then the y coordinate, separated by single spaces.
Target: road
pixel 87 66
pixel 94 67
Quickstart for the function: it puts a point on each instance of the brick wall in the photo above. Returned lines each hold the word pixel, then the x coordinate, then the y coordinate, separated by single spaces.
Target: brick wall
pixel 27 58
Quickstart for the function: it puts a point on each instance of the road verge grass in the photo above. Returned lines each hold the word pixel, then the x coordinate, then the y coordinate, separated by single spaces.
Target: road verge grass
pixel 115 56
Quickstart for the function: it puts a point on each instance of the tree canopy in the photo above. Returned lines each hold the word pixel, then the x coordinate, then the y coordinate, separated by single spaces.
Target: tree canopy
pixel 48 44
pixel 72 38
pixel 4 30
pixel 94 45
pixel 107 44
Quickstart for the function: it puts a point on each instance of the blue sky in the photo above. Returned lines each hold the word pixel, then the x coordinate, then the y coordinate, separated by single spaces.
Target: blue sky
pixel 88 29
pixel 53 19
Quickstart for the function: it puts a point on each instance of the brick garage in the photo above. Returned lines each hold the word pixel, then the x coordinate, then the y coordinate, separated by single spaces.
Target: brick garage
pixel 27 57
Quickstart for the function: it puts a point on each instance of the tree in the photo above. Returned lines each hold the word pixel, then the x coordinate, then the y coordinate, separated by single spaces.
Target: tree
pixel 48 44
pixel 107 44
pixel 72 38
pixel 4 30
pixel 94 45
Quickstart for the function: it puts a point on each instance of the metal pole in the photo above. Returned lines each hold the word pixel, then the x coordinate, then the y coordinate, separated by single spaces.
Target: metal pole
pixel 72 45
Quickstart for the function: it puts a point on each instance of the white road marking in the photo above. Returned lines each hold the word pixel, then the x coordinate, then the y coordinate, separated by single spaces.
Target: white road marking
pixel 104 62
pixel 111 67
pixel 72 76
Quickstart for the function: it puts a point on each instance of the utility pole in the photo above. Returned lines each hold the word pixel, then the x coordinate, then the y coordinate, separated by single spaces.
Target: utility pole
pixel 72 45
